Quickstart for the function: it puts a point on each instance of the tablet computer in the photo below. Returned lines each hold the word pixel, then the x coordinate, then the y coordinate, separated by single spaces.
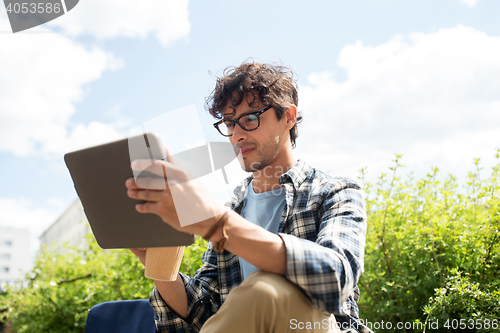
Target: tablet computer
pixel 99 174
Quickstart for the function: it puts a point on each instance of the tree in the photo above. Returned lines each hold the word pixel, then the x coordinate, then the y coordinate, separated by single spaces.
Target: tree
pixel 62 287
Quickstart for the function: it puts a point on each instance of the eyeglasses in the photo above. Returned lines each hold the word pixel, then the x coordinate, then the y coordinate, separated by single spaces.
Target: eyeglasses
pixel 248 122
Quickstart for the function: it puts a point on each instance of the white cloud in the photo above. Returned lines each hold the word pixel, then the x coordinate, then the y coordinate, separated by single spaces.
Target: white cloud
pixel 25 214
pixel 83 136
pixel 168 20
pixel 41 78
pixel 470 3
pixel 433 97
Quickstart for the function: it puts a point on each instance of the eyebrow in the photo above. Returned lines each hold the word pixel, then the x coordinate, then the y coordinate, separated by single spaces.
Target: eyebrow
pixel 241 115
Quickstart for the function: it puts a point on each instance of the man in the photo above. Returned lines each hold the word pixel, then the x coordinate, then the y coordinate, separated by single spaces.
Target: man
pixel 292 252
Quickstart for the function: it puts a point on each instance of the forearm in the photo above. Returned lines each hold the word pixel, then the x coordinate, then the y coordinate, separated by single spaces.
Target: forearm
pixel 174 294
pixel 259 247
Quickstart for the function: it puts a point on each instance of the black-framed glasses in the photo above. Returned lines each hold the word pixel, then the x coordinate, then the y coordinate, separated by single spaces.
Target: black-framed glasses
pixel 248 122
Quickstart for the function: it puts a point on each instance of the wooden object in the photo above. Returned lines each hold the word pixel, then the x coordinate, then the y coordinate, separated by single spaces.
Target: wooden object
pixel 162 263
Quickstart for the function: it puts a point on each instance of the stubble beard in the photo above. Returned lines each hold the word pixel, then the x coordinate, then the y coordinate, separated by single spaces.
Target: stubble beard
pixel 266 156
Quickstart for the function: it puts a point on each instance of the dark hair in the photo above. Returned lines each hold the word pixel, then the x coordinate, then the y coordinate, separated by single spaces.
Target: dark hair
pixel 273 83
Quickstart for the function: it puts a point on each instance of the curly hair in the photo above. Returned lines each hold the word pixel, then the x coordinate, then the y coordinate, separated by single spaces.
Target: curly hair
pixel 274 84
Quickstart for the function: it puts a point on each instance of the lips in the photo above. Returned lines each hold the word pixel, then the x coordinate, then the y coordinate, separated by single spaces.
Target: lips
pixel 246 150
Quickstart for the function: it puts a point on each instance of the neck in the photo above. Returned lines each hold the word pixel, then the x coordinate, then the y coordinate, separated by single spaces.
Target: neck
pixel 267 179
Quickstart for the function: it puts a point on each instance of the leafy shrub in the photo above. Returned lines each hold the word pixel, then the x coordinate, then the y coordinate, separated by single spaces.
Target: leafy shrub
pixel 191 261
pixel 432 254
pixel 426 238
pixel 462 303
pixel 64 285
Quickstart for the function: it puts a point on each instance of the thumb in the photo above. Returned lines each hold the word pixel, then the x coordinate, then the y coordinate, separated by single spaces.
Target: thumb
pixel 170 159
pixel 169 156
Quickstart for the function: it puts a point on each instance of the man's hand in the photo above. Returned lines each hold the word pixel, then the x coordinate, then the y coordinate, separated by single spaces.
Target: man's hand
pixel 141 254
pixel 192 201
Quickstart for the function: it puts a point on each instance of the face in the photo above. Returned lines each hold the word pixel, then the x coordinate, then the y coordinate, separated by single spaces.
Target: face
pixel 261 147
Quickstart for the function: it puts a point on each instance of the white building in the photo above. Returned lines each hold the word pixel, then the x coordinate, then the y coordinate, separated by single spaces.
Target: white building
pixel 15 259
pixel 70 228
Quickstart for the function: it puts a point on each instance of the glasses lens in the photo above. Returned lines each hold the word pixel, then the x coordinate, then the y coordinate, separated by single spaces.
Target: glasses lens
pixel 226 128
pixel 249 122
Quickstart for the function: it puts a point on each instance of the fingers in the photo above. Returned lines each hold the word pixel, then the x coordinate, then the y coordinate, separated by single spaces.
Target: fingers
pixel 147 207
pixel 139 193
pixel 131 184
pixel 139 251
pixel 172 172
pixel 149 183
pixel 152 183
pixel 148 195
pixel 154 167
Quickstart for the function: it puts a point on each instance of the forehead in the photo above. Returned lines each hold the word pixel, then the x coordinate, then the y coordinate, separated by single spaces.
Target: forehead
pixel 249 103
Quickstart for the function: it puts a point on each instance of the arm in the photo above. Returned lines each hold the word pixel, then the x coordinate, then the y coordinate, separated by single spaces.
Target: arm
pixel 324 254
pixel 173 293
pixel 200 294
pixel 328 268
pixel 187 302
pixel 263 249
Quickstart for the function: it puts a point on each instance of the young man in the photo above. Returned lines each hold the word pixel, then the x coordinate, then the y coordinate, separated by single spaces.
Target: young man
pixel 292 252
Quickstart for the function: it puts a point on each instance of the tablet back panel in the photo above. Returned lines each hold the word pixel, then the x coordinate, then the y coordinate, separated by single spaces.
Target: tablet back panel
pixel 99 174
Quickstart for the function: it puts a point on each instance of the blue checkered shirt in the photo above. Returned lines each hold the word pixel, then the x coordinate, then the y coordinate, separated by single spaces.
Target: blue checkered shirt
pixel 323 227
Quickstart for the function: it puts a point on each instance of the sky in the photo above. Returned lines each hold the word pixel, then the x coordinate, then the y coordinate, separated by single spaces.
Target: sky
pixel 419 78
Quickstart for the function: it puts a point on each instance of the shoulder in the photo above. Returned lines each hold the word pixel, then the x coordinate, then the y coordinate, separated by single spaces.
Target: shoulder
pixel 322 192
pixel 337 196
pixel 324 183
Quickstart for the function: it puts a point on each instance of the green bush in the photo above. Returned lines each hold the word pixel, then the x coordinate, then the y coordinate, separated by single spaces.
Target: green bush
pixel 62 287
pixel 432 256
pixel 427 239
pixel 463 303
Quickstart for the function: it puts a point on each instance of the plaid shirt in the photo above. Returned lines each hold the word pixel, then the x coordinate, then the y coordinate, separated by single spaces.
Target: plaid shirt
pixel 323 227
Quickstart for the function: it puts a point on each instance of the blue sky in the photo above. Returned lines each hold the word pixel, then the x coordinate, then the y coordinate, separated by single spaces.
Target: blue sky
pixel 376 78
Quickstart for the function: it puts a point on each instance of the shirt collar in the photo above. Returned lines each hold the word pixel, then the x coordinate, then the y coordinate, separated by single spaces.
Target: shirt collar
pixel 296 175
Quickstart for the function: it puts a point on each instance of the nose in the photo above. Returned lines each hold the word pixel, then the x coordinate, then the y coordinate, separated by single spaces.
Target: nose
pixel 238 134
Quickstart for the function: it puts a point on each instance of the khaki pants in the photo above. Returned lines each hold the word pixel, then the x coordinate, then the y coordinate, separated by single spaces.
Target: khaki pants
pixel 265 303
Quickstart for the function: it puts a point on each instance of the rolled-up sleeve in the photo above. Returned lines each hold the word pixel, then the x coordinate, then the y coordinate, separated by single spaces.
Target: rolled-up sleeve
pixel 329 268
pixel 202 297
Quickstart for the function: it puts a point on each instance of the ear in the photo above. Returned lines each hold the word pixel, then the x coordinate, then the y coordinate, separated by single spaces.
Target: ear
pixel 291 116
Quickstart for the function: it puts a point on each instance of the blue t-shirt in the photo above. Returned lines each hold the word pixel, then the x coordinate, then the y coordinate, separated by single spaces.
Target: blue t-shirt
pixel 263 209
